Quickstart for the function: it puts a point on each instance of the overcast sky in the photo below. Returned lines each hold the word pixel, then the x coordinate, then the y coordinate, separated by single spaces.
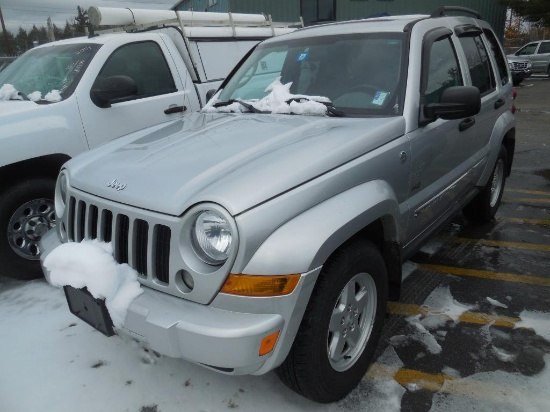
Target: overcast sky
pixel 25 13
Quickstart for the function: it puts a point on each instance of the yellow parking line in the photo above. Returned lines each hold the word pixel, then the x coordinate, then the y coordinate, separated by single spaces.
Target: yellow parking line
pixel 485 274
pixel 528 192
pixel 525 200
pixel 538 222
pixel 501 243
pixel 405 309
pixel 438 382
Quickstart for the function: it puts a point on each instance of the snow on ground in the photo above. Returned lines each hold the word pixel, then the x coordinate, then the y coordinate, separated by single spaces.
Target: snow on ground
pixel 52 361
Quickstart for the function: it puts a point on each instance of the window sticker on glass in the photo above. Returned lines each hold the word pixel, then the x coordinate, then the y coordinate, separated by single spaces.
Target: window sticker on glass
pixel 380 98
pixel 302 57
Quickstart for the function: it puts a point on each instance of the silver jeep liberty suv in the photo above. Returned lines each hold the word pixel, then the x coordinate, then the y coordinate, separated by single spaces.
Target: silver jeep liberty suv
pixel 270 229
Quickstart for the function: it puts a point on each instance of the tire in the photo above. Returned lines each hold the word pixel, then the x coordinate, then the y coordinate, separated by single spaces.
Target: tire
pixel 517 82
pixel 484 206
pixel 26 212
pixel 310 369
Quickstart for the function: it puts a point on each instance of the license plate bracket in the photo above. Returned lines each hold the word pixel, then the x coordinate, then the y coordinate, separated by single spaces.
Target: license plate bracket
pixel 89 309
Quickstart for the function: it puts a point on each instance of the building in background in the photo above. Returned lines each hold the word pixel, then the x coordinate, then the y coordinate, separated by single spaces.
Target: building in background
pixel 321 11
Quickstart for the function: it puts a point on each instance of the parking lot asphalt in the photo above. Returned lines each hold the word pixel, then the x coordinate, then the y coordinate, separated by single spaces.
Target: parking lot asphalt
pixel 494 277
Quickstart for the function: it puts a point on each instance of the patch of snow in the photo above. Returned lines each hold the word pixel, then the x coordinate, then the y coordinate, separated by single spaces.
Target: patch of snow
pixel 434 321
pixel 91 264
pixel 35 96
pixel 538 321
pixel 503 355
pixel 432 247
pixel 442 300
pixel 8 92
pixel 53 96
pixel 275 102
pixel 407 268
pixel 412 387
pixel 496 303
pixel 398 340
pixel 423 336
pixel 447 370
pixel 495 391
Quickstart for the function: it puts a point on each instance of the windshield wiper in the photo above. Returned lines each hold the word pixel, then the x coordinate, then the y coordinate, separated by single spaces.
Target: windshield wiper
pixel 247 106
pixel 331 110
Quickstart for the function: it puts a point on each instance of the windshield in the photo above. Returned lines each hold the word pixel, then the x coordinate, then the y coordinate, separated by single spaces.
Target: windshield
pixel 49 73
pixel 357 74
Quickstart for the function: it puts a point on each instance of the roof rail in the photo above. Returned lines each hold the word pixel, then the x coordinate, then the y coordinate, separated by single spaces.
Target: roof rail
pixel 441 11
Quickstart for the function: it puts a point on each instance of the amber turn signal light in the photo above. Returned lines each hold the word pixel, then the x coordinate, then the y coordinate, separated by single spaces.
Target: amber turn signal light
pixel 254 285
pixel 268 343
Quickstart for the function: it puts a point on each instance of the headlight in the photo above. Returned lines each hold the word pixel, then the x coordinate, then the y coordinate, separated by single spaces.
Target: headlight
pixel 529 64
pixel 61 193
pixel 212 237
pixel 511 66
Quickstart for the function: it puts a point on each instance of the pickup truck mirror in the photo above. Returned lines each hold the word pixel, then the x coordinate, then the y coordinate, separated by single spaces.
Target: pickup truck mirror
pixel 112 89
pixel 210 93
pixel 456 102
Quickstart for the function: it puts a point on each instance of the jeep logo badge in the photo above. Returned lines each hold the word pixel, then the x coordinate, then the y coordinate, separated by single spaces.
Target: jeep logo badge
pixel 115 184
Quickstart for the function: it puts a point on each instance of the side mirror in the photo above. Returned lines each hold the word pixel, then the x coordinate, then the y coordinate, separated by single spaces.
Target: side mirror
pixel 456 102
pixel 210 93
pixel 112 89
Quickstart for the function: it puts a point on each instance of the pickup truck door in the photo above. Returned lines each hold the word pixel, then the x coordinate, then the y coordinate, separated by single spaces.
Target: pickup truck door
pixel 541 59
pixel 441 150
pixel 160 93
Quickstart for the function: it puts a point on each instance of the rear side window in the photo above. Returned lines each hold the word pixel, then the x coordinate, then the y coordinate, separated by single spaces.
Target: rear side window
pixel 145 63
pixel 478 64
pixel 443 70
pixel 544 47
pixel 499 57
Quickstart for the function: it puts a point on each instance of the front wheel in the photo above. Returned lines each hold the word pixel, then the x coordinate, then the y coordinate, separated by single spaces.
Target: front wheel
pixel 26 214
pixel 484 206
pixel 341 326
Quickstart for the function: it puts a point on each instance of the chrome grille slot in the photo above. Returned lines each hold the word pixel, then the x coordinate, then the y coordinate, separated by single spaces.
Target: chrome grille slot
pixel 520 65
pixel 70 219
pixel 106 226
pixel 93 221
pixel 80 221
pixel 162 252
pixel 121 240
pixel 141 234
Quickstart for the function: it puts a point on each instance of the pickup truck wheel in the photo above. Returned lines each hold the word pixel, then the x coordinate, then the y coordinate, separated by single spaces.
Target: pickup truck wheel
pixel 341 326
pixel 484 206
pixel 26 214
pixel 517 82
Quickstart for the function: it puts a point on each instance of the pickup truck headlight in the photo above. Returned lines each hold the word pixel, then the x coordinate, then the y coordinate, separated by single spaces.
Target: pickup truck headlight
pixel 61 193
pixel 511 66
pixel 212 237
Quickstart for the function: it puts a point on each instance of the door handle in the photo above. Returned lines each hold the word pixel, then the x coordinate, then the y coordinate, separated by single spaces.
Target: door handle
pixel 175 109
pixel 499 103
pixel 466 124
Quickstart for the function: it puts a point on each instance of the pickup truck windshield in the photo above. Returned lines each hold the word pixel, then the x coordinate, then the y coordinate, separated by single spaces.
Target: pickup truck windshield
pixel 56 69
pixel 359 74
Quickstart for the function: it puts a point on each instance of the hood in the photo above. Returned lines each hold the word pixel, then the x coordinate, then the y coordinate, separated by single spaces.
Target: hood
pixel 235 160
pixel 514 58
pixel 16 110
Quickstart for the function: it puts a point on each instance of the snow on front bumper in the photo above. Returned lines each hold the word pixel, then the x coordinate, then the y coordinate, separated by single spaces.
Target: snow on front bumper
pixel 225 335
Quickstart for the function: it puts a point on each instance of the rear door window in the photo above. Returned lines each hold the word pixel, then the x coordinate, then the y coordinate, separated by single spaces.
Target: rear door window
pixel 500 60
pixel 479 64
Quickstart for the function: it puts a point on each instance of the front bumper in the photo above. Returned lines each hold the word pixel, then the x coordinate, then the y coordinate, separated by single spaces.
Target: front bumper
pixel 521 74
pixel 225 335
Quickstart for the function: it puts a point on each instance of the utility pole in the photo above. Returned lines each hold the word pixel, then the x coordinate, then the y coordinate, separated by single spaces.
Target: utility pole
pixel 6 38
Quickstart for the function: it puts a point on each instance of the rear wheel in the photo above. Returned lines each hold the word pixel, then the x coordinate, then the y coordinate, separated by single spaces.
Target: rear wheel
pixel 341 326
pixel 485 205
pixel 26 214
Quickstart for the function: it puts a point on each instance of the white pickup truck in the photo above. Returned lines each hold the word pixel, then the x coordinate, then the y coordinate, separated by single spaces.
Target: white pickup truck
pixel 66 97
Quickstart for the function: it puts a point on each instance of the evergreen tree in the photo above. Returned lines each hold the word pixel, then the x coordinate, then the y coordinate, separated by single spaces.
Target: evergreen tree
pixel 534 11
pixel 22 41
pixel 68 31
pixel 80 21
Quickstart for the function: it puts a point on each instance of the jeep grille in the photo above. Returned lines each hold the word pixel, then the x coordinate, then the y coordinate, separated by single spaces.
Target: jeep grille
pixel 132 237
